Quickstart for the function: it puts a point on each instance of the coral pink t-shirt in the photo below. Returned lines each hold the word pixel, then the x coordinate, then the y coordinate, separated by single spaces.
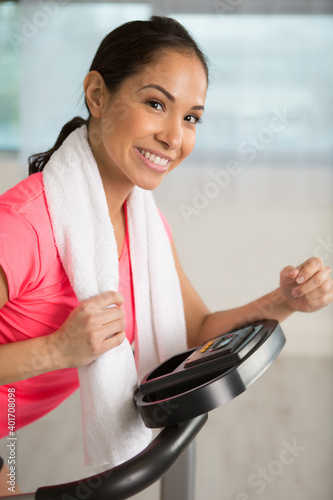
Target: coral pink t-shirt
pixel 41 297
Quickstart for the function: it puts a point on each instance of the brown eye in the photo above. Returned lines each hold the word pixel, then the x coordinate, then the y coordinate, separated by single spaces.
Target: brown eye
pixel 193 119
pixel 155 105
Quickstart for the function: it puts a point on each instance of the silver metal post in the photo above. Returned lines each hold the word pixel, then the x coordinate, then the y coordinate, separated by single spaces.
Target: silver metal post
pixel 178 482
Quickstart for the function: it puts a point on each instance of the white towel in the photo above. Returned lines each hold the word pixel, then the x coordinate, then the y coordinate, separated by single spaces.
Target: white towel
pixel 113 430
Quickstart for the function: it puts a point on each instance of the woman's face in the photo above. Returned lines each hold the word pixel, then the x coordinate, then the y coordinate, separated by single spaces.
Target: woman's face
pixel 149 125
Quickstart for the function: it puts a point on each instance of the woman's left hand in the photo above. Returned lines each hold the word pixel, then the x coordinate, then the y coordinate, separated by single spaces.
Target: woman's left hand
pixel 308 287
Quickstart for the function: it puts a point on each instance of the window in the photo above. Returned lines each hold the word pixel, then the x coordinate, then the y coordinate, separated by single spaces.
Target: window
pixel 271 95
pixel 9 79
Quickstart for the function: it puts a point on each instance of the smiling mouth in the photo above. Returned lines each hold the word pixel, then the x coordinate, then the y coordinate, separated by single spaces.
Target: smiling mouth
pixel 158 160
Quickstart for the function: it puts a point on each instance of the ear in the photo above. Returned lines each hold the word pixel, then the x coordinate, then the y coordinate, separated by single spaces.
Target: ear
pixel 95 90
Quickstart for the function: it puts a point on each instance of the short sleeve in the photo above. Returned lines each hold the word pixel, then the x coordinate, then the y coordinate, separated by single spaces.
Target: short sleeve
pixel 166 226
pixel 19 255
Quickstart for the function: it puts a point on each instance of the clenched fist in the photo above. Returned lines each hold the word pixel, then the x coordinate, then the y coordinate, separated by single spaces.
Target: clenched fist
pixel 90 330
pixel 307 287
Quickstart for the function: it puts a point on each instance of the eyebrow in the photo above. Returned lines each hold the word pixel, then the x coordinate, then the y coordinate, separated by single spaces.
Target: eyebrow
pixel 167 94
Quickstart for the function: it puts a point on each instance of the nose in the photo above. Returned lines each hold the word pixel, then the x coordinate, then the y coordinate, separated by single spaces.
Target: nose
pixel 170 133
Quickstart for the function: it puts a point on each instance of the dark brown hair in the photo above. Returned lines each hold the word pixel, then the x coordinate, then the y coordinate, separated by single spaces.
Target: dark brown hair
pixel 123 53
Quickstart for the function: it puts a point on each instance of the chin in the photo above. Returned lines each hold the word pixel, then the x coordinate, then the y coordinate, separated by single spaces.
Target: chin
pixel 149 184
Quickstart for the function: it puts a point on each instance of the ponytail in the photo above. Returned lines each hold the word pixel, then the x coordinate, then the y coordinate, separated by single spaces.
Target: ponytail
pixel 38 161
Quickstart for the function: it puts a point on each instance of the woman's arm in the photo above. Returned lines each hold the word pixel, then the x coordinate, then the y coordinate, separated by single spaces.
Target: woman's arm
pixel 306 288
pixel 89 331
pixel 4 294
pixel 15 357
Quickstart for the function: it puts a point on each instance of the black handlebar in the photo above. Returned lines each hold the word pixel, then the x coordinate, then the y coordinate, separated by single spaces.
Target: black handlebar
pixel 135 475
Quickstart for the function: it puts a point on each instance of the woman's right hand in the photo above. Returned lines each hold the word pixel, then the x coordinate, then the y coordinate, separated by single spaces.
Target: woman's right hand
pixel 90 330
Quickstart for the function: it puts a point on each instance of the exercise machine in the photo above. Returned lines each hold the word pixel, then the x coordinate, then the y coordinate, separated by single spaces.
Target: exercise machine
pixel 176 396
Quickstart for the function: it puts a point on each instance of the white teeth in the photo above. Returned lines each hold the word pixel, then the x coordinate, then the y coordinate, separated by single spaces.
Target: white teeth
pixel 154 158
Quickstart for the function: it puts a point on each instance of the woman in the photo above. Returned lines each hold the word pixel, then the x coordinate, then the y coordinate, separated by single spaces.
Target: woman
pixel 145 93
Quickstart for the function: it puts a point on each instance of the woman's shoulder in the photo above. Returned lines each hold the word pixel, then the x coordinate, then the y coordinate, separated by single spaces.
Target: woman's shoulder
pixel 23 208
pixel 28 191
